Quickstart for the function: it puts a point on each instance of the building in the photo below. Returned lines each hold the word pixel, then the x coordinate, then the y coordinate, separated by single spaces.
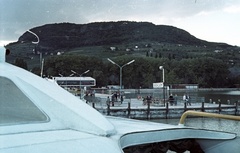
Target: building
pixel 75 81
pixel 184 86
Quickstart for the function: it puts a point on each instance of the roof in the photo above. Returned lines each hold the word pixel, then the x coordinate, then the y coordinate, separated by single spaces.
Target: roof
pixel 74 78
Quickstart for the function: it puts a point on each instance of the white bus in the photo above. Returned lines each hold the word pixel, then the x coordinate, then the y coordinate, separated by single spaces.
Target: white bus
pixel 75 81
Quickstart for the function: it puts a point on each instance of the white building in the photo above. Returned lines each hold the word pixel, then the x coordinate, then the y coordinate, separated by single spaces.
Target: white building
pixel 75 81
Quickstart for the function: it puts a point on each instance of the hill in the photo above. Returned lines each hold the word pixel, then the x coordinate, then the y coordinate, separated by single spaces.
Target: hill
pixel 69 35
pixel 150 45
pixel 102 38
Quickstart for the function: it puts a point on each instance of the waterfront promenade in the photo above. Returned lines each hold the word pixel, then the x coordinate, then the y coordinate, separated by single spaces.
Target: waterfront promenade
pixel 135 108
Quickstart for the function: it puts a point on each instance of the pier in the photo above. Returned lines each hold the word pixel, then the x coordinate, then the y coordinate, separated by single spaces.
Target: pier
pixel 135 108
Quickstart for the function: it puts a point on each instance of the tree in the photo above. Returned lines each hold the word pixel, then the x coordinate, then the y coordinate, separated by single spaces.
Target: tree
pixel 160 55
pixel 214 72
pixel 21 63
pixel 169 56
pixel 65 63
pixel 100 78
pixel 151 54
pixel 205 71
pixel 147 54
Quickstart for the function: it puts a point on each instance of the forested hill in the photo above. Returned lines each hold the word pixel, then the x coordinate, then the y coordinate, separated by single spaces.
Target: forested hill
pixel 69 35
pixel 186 59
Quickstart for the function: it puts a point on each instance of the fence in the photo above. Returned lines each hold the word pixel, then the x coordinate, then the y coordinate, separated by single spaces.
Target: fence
pixel 167 111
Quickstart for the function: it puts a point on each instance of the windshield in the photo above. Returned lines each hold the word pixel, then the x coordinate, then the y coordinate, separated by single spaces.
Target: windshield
pixel 15 107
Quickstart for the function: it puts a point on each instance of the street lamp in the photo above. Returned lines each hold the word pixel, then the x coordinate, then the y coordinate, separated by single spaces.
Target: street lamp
pixel 120 70
pixel 65 78
pixel 161 68
pixel 80 75
pixel 34 42
pixel 40 55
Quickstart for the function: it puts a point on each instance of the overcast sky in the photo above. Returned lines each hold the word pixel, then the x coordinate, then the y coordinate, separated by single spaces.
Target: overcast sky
pixel 211 20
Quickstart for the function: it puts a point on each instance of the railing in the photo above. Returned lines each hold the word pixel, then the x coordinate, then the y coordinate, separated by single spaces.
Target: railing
pixel 204 114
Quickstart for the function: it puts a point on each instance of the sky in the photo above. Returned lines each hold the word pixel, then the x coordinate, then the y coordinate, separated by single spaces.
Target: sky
pixel 210 20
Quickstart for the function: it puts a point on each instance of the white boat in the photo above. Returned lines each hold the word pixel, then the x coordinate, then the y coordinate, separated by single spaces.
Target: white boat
pixel 37 116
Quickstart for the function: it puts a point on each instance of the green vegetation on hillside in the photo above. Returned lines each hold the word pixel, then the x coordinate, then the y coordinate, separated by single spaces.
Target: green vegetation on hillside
pixel 207 72
pixel 186 59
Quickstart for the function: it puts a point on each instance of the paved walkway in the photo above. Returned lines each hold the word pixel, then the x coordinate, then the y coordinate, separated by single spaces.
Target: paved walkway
pixel 138 103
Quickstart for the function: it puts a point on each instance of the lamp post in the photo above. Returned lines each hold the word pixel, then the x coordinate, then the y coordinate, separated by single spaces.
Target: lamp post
pixel 80 84
pixel 40 58
pixel 34 42
pixel 60 74
pixel 161 68
pixel 120 67
pixel 65 78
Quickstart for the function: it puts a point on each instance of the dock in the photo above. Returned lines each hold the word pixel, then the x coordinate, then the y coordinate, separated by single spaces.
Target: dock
pixel 136 109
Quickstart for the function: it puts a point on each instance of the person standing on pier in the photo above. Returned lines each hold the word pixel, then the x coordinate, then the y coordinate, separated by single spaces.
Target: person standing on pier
pixel 121 98
pixel 184 97
pixel 108 101
pixel 149 99
pixel 171 100
pixel 175 99
pixel 188 100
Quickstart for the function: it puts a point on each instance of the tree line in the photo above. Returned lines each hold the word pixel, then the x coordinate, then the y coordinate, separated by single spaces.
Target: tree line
pixel 207 72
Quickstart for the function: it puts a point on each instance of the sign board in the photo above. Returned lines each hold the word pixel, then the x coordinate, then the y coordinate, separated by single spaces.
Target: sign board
pixel 158 85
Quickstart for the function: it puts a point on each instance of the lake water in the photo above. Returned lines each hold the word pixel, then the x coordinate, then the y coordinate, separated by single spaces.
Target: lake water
pixel 224 96
pixel 207 123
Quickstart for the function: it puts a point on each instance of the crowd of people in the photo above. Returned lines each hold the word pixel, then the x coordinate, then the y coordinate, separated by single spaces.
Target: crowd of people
pixel 115 97
pixel 172 100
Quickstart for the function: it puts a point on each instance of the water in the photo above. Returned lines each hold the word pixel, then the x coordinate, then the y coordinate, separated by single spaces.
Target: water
pixel 206 123
pixel 225 96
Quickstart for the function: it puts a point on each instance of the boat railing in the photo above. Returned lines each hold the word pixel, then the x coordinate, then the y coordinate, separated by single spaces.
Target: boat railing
pixel 205 114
